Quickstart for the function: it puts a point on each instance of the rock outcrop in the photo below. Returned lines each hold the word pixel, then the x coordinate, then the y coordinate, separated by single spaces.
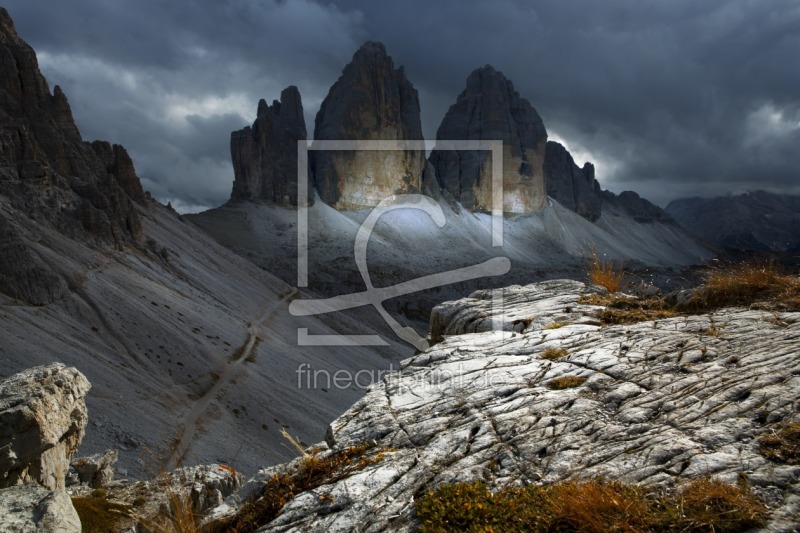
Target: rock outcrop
pixel 491 109
pixel 264 155
pixel 86 190
pixel 372 100
pixel 34 509
pixel 96 470
pixel 657 403
pixel 573 187
pixel 754 221
pixel 42 421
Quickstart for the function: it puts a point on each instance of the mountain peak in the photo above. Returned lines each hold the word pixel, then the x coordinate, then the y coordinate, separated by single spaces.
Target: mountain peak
pixel 371 100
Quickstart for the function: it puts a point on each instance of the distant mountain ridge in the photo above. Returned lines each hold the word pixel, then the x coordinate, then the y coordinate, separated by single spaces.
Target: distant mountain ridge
pixel 753 221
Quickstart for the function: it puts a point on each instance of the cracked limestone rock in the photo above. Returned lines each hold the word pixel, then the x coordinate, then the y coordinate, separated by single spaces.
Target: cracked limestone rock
pixel 34 509
pixel 658 403
pixel 42 421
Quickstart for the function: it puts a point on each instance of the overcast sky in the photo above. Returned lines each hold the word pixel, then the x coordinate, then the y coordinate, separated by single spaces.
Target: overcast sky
pixel 668 98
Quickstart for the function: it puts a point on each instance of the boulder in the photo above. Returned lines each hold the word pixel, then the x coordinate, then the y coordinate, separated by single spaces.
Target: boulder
pixel 490 108
pixel 42 421
pixel 372 100
pixel 96 470
pixel 34 509
pixel 264 155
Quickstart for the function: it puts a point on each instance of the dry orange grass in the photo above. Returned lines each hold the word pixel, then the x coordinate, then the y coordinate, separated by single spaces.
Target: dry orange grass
pixel 605 273
pixel 710 505
pixel 554 353
pixel 177 516
pixel 565 382
pixel 747 284
pixel 591 506
pixel 596 507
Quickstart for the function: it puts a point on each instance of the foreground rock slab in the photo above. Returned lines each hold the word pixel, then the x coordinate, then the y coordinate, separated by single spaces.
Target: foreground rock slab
pixel 34 509
pixel 656 403
pixel 42 421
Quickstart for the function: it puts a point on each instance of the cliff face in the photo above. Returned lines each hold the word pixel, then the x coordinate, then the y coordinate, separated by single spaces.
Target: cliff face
pixel 46 169
pixel 490 109
pixel 573 187
pixel 370 101
pixel 264 155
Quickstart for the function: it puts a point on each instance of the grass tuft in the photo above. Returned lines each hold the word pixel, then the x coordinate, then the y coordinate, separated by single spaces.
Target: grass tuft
pixel 565 382
pixel 709 505
pixel 745 284
pixel 592 506
pixel 622 309
pixel 314 470
pixel 783 445
pixel 554 353
pixel 605 273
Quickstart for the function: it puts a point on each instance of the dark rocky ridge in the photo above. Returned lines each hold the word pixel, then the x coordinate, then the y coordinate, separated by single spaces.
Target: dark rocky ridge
pixel 46 168
pixel 85 190
pixel 264 156
pixel 370 101
pixel 577 189
pixel 573 187
pixel 490 108
pixel 754 221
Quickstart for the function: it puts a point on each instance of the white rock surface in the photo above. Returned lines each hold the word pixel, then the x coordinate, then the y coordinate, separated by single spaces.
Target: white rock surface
pixel 663 401
pixel 34 509
pixel 42 421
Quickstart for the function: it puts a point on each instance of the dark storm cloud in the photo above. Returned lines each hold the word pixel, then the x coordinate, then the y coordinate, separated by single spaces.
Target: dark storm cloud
pixel 668 98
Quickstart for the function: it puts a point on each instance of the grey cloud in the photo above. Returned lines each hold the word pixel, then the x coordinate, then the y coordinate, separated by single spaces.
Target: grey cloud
pixel 668 98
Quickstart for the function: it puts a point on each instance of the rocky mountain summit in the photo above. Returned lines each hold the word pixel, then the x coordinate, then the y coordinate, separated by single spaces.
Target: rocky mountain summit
pixel 264 155
pixel 372 100
pixel 753 221
pixel 84 189
pixel 490 108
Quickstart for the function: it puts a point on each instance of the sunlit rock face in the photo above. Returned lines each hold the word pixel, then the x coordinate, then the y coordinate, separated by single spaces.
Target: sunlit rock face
pixel 490 109
pixel 372 100
pixel 264 155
